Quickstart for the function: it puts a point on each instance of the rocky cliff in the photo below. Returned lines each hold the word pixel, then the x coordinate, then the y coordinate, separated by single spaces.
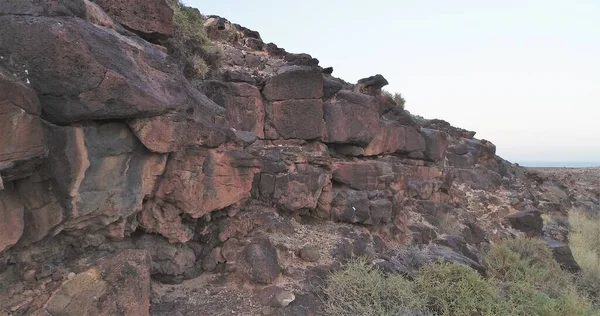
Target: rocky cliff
pixel 127 189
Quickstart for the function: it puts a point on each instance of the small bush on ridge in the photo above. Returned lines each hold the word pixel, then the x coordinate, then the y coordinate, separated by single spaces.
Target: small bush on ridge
pixel 190 43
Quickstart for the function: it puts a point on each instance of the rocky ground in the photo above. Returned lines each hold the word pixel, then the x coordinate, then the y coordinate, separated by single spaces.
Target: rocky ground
pixel 127 189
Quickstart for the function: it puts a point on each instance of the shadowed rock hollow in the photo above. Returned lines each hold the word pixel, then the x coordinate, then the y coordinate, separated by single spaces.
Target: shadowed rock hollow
pixel 126 189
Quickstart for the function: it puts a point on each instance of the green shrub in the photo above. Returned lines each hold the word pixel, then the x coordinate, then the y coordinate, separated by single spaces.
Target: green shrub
pixel 516 286
pixel 527 261
pixel 362 289
pixel 457 290
pixel 190 43
pixel 397 97
pixel 526 299
pixel 533 282
pixel 584 240
pixel 572 302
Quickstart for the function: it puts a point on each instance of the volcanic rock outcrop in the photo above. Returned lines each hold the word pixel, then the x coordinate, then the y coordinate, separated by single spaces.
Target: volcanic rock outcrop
pixel 107 150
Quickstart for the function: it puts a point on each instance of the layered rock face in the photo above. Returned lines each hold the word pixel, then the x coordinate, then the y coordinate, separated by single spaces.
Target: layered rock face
pixel 105 147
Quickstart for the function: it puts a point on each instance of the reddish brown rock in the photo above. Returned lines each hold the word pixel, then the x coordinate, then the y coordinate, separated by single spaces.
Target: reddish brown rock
pixel 172 132
pixel 364 175
pixel 152 19
pixel 96 15
pixel 295 82
pixel 95 175
pixel 351 118
pixel 88 72
pixel 43 210
pixel 119 285
pixel 300 188
pixel 22 144
pixel 414 142
pixel 11 218
pixel 388 139
pixel 351 206
pixel 394 138
pixel 165 219
pixel 299 119
pixel 258 262
pixel 43 8
pixel 199 181
pixel 243 103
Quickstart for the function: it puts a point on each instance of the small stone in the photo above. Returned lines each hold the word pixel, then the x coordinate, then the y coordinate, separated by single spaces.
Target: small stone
pixel 211 261
pixel 57 276
pixel 46 280
pixel 283 298
pixel 29 275
pixel 267 310
pixel 28 293
pixel 310 254
pixel 18 306
pixel 71 276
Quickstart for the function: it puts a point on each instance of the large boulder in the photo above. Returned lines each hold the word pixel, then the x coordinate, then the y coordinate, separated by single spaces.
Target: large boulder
pixel 299 119
pixel 356 207
pixel 173 132
pixel 395 138
pixel 87 72
pixel 295 82
pixel 365 175
pixel 96 174
pixel 198 182
pixel 351 118
pixel 258 262
pixel 301 188
pixel 22 144
pixel 530 222
pixel 563 255
pixel 481 149
pixel 371 85
pixel 151 19
pixel 242 101
pixel 69 8
pixel 436 143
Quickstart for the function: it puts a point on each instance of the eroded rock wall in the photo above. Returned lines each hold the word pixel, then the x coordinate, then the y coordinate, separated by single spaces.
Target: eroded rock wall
pixel 105 146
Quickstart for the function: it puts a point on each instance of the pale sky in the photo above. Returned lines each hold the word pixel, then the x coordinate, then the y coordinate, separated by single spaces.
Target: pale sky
pixel 524 75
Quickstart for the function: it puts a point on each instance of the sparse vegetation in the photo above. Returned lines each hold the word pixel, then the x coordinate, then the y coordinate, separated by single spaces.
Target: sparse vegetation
pixel 522 279
pixel 454 289
pixel 448 224
pixel 584 240
pixel 526 261
pixel 397 97
pixel 190 43
pixel 362 289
